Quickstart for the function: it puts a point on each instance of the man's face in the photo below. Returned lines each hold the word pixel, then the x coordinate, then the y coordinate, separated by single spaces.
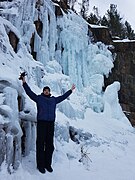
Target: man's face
pixel 46 92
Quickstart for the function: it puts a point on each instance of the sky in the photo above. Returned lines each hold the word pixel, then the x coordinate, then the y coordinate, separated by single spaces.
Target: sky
pixel 125 7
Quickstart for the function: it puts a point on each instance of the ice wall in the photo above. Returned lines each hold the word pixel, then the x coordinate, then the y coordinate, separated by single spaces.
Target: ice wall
pixel 55 51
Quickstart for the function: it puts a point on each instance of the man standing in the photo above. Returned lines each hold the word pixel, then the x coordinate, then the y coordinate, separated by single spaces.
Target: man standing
pixel 46 106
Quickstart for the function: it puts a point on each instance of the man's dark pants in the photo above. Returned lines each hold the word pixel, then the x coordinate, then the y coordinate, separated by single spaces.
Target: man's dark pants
pixel 44 143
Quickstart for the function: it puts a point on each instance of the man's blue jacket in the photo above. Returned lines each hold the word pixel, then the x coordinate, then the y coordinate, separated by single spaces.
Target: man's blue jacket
pixel 46 106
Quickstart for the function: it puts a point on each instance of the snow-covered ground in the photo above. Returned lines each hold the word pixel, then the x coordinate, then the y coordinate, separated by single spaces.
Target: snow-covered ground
pixel 110 153
pixel 93 138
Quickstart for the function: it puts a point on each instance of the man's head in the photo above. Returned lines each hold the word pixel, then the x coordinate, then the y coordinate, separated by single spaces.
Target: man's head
pixel 46 90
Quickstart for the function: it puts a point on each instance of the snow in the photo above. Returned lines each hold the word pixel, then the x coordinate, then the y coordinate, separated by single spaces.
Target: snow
pixel 90 120
pixel 111 150
pixel 124 40
pixel 12 11
pixel 111 97
pixel 97 26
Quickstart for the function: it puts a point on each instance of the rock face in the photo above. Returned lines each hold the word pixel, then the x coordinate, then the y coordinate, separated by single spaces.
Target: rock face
pixel 13 40
pixel 123 71
pixel 101 34
pixel 62 5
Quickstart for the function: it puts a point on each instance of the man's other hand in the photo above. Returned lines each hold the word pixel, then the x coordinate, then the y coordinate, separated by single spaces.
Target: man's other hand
pixel 23 79
pixel 73 87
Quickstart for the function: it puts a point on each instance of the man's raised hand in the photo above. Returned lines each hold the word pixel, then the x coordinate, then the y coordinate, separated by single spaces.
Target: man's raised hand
pixel 73 87
pixel 23 79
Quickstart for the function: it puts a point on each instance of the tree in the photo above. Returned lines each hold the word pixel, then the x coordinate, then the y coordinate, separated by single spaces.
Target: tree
pixel 71 3
pixel 104 21
pixel 84 8
pixel 115 21
pixel 96 12
pixel 93 19
pixel 129 31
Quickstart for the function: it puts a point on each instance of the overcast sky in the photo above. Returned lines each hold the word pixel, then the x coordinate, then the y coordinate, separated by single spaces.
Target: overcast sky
pixel 125 7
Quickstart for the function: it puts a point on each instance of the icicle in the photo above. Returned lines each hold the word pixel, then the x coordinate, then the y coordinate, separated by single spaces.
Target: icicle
pixel 2 144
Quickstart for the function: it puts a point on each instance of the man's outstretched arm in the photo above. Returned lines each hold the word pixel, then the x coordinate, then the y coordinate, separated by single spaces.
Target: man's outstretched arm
pixel 64 96
pixel 28 91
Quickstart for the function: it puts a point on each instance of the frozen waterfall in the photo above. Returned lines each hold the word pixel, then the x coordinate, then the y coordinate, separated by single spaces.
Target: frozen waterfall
pixel 56 51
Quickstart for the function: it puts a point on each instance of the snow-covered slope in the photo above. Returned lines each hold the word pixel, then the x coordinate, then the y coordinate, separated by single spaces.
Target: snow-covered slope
pixel 93 138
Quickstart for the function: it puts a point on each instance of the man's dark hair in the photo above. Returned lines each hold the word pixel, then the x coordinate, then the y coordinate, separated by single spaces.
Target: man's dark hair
pixel 46 87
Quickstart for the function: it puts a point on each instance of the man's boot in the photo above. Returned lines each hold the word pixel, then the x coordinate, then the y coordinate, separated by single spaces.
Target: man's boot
pixel 49 168
pixel 41 169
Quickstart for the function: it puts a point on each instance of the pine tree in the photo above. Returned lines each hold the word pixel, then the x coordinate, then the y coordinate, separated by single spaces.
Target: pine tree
pixel 129 31
pixel 84 8
pixel 96 12
pixel 71 3
pixel 93 19
pixel 115 22
pixel 104 21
